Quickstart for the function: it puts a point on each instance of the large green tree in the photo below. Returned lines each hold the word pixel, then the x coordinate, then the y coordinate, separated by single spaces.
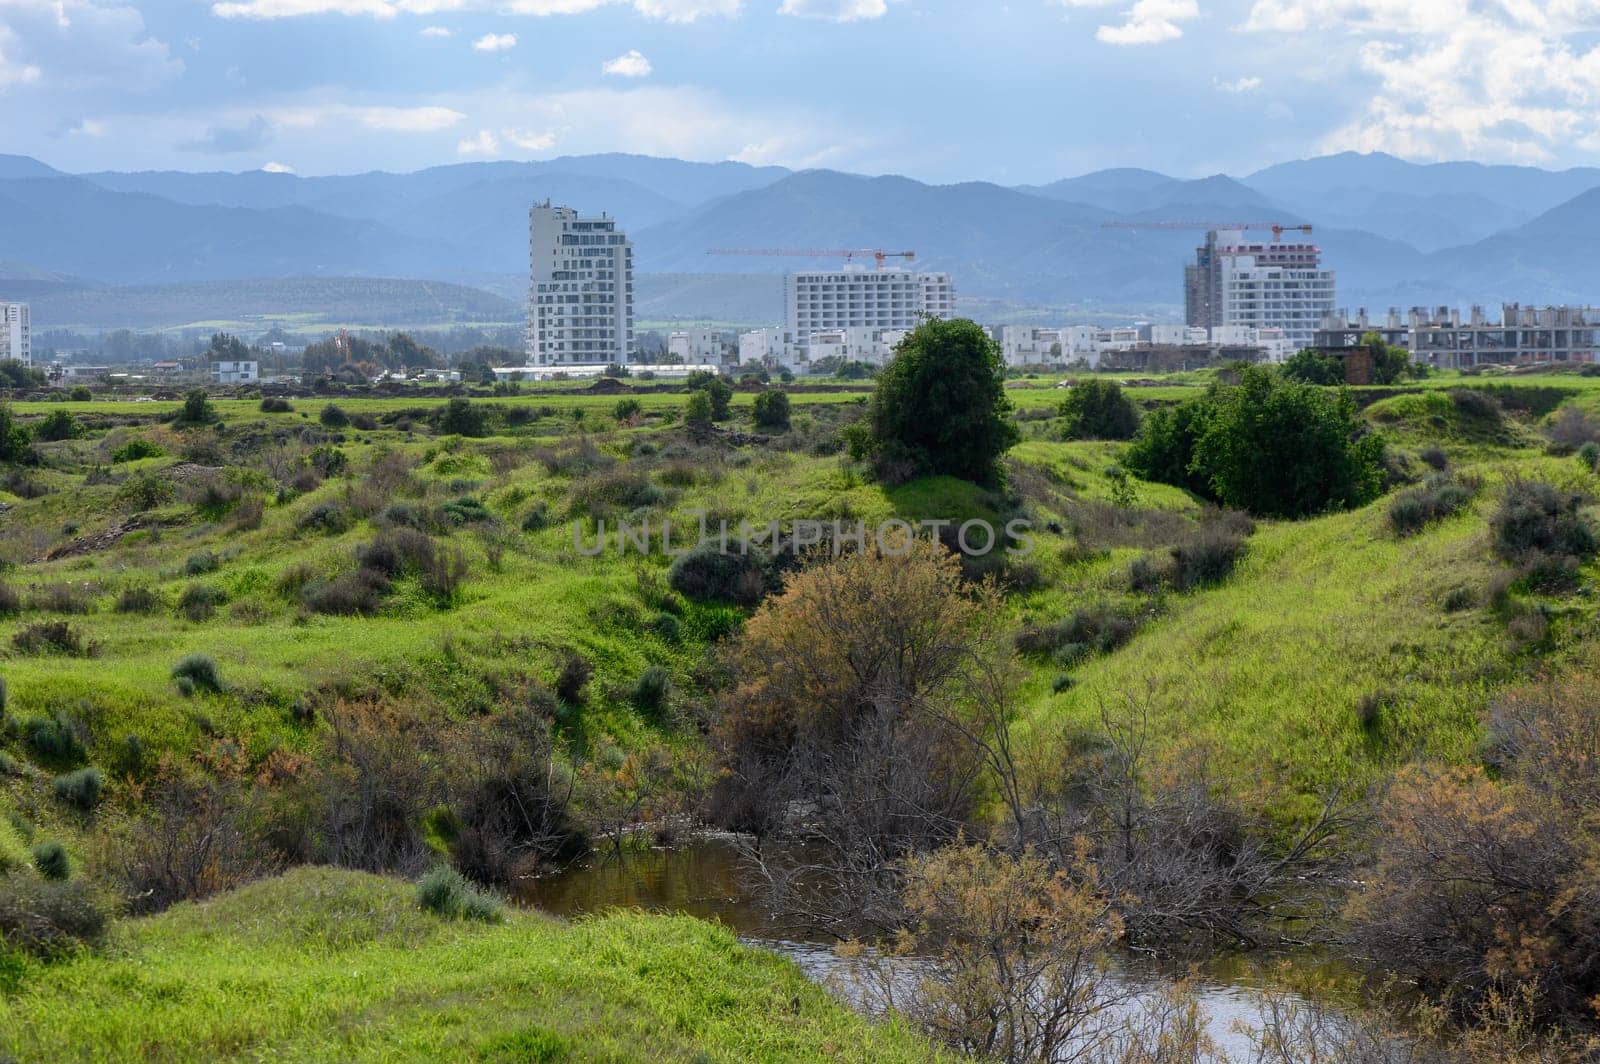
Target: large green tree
pixel 940 405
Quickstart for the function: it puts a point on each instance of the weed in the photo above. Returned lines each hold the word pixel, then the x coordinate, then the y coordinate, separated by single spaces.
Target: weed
pixel 447 893
pixel 200 670
pixel 49 918
pixel 50 860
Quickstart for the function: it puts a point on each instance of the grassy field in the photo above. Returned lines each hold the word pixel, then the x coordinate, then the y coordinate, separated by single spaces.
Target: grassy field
pixel 326 965
pixel 1335 651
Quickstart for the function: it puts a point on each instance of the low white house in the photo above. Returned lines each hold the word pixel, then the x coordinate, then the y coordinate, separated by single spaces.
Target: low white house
pixel 235 372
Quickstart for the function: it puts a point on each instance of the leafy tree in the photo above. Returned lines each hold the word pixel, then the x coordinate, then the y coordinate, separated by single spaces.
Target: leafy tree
pixel 333 417
pixel 14 441
pixel 1391 364
pixel 772 410
pixel 461 418
pixel 226 347
pixel 1164 448
pixel 1284 449
pixel 1097 409
pixel 940 405
pixel 197 409
pixel 80 394
pixel 698 410
pixel 717 391
pixel 59 425
pixel 1310 367
pixel 627 409
pixel 14 374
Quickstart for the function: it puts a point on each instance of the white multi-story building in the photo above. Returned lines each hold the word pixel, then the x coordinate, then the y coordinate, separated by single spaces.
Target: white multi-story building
pixel 857 344
pixel 15 342
pixel 1262 284
pixel 1438 335
pixel 580 289
pixel 860 298
pixel 235 372
pixel 702 345
pixel 772 347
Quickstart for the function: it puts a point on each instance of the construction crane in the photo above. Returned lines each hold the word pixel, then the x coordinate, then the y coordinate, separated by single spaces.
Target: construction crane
pixel 848 254
pixel 1278 228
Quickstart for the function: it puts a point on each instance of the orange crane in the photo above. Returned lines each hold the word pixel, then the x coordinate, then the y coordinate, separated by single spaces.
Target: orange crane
pixel 848 254
pixel 1278 228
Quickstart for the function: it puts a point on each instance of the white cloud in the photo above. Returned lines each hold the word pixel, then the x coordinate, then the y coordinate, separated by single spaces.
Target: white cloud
pixel 1514 80
pixel 75 45
pixel 491 142
pixel 278 168
pixel 1238 85
pixel 631 64
pixel 664 10
pixel 434 31
pixel 835 10
pixel 382 119
pixel 86 127
pixel 1146 22
pixel 495 42
pixel 485 143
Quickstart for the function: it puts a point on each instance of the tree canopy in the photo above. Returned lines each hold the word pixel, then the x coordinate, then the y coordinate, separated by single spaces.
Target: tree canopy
pixel 941 407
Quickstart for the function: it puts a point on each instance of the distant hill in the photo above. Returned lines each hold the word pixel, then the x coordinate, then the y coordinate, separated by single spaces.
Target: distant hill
pixel 742 298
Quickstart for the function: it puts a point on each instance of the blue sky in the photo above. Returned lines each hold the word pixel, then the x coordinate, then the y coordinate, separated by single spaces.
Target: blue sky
pixel 1022 91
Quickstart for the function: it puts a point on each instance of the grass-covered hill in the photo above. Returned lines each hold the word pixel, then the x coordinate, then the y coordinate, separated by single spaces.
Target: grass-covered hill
pixel 321 964
pixel 360 629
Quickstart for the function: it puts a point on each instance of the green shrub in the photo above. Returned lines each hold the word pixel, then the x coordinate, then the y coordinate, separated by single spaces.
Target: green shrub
pixel 698 410
pixel 350 594
pixel 461 418
pixel 53 637
pixel 706 573
pixel 145 491
pixel 651 690
pixel 626 410
pixel 1537 517
pixel 666 626
pixel 1589 455
pixel 10 601
pixel 199 602
pixel 537 519
pixel 58 425
pixel 772 411
pixel 447 893
pixel 200 563
pixel 80 789
pixel 573 678
pixel 328 518
pixel 332 417
pixel 1206 557
pixel 56 740
pixel 9 766
pixel 466 511
pixel 1311 367
pixel 1436 498
pixel 134 450
pixel 80 393
pixel 197 409
pixel 327 460
pixel 274 405
pixel 138 599
pixel 1097 409
pixel 1099 629
pixel 50 860
pixel 49 918
pixel 200 670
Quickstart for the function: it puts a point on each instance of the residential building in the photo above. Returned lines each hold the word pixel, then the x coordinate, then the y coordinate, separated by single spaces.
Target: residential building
pixel 771 347
pixel 235 372
pixel 855 297
pixel 586 372
pixel 1261 284
pixel 702 345
pixel 1439 336
pixel 580 289
pixel 15 341
pixel 856 344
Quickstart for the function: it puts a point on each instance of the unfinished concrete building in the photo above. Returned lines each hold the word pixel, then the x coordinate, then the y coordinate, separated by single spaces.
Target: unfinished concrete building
pixel 1441 338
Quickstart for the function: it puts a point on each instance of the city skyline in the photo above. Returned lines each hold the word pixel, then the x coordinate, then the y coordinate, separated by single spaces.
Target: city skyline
pixel 1029 91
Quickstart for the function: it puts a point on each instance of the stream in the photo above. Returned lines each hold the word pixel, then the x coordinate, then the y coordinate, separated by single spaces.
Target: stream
pixel 705 877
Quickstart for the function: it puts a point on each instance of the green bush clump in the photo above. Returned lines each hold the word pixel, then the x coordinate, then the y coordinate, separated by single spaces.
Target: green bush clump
pixel 626 410
pixel 332 417
pixel 1537 517
pixel 201 562
pixel 10 601
pixel 328 518
pixel 50 860
pixel 1321 457
pixel 447 893
pixel 138 599
pixel 707 573
pixel 275 405
pixel 49 918
pixel 81 788
pixel 772 411
pixel 200 670
pixel 537 519
pixel 58 425
pixel 350 594
pixel 1436 498
pixel 461 418
pixel 53 637
pixel 651 690
pixel 666 626
pixel 1589 455
pixel 1097 629
pixel 1207 557
pixel 1097 409
pixel 466 511
pixel 145 491
pixel 197 409
pixel 56 740
pixel 199 602
pixel 134 450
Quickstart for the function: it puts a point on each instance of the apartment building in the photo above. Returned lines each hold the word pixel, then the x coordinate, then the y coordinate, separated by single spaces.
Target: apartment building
pixel 1243 280
pixel 855 297
pixel 580 289
pixel 1440 337
pixel 772 347
pixel 702 345
pixel 15 342
pixel 235 372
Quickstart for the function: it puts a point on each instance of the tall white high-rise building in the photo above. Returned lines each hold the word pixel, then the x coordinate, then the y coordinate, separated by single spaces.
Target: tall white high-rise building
pixel 1260 284
pixel 15 343
pixel 580 289
pixel 860 298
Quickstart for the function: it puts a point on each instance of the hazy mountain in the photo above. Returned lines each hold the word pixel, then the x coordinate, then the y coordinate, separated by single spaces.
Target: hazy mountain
pixel 1548 260
pixel 1123 189
pixel 15 166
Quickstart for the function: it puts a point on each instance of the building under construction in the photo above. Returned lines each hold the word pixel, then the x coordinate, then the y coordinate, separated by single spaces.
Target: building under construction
pixel 1441 338
pixel 1237 279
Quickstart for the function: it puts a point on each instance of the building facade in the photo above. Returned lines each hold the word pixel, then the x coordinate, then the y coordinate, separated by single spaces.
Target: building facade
pixel 859 298
pixel 1260 284
pixel 703 345
pixel 16 343
pixel 1440 337
pixel 580 289
pixel 235 372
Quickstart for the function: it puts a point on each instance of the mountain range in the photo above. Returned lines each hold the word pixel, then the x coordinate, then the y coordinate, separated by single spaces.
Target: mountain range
pixel 1398 233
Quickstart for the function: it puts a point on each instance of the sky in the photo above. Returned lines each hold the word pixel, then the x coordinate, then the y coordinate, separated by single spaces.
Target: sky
pixel 1024 91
